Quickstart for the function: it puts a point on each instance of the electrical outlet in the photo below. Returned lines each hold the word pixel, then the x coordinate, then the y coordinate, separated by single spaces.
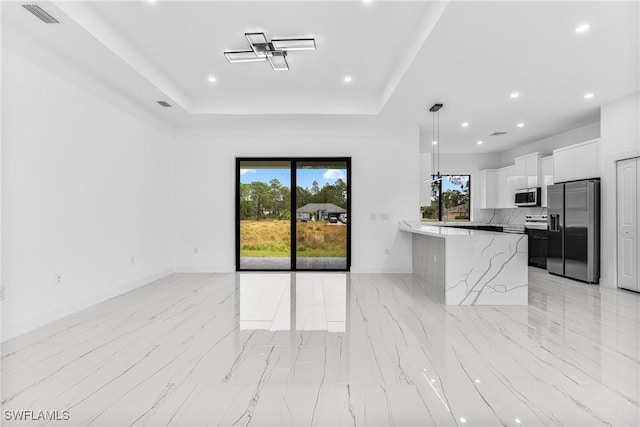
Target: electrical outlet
pixel 58 278
pixel 132 261
pixel 372 216
pixel 195 250
pixel 384 216
pixel 387 251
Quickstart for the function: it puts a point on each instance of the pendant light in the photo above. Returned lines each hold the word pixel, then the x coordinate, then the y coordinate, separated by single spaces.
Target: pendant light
pixel 435 144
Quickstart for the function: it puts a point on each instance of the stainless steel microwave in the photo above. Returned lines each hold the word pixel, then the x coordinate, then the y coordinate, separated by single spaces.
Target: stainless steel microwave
pixel 527 197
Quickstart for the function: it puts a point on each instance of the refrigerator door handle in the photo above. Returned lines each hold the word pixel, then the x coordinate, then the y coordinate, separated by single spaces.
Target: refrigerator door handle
pixel 593 241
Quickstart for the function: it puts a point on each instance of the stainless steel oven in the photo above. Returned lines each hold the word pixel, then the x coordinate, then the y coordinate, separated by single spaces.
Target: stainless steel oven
pixel 527 197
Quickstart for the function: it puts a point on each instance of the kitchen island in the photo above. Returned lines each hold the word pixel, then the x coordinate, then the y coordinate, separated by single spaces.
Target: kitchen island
pixel 470 266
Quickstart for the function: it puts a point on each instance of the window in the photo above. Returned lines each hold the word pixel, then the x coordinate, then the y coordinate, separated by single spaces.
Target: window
pixel 293 214
pixel 450 199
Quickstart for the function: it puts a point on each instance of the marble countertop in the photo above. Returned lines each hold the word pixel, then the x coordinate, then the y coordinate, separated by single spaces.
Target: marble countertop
pixel 443 229
pixel 456 223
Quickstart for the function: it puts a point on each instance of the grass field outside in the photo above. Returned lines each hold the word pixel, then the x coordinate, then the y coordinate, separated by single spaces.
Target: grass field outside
pixel 270 238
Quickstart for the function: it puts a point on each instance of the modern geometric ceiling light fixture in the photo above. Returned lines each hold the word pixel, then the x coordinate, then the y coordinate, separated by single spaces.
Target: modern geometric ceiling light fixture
pixel 435 143
pixel 274 51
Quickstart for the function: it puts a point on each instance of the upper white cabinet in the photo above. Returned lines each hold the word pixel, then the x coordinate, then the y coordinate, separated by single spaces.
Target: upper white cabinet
pixel 546 177
pixel 497 188
pixel 532 170
pixel 527 171
pixel 488 193
pixel 575 162
pixel 509 194
pixel 501 188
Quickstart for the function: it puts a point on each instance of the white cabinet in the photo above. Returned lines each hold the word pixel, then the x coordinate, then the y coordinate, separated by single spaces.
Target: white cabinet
pixel 505 187
pixel 488 193
pixel 532 170
pixel 497 188
pixel 519 175
pixel 501 188
pixel 575 162
pixel 628 227
pixel 510 188
pixel 527 171
pixel 562 166
pixel 546 177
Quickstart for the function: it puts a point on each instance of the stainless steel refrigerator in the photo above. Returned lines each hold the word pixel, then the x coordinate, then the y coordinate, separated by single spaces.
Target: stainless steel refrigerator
pixel 573 215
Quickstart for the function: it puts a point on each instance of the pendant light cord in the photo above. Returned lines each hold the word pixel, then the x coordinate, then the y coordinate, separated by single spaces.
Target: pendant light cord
pixel 433 148
pixel 438 144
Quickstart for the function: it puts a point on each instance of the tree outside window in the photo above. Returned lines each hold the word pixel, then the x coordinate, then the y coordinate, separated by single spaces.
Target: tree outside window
pixel 450 199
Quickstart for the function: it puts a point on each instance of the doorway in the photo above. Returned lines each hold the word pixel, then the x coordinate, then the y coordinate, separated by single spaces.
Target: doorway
pixel 292 214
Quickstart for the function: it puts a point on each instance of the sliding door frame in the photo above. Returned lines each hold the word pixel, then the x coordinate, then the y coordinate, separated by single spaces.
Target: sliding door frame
pixel 293 162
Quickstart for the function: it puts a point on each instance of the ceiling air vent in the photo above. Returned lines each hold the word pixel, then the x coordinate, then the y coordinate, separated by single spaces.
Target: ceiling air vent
pixel 40 13
pixel 164 103
pixel 498 134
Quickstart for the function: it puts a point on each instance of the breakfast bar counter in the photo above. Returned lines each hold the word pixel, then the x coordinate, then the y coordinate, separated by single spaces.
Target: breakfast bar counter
pixel 470 266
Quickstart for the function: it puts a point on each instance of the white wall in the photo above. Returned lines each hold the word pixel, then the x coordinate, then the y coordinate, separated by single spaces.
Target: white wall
pixel 86 185
pixel 620 139
pixel 384 181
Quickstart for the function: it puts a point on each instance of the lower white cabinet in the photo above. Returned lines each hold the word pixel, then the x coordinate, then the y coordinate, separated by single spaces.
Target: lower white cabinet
pixel 628 227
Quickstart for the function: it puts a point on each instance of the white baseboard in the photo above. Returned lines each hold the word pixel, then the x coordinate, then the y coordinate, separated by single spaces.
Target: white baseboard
pixel 354 269
pixel 381 269
pixel 206 269
pixel 27 325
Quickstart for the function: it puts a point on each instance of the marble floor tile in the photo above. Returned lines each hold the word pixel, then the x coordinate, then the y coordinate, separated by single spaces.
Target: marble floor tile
pixel 330 349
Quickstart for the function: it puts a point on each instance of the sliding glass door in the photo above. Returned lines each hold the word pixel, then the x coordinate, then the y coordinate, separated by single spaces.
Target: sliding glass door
pixel 307 229
pixel 264 215
pixel 321 215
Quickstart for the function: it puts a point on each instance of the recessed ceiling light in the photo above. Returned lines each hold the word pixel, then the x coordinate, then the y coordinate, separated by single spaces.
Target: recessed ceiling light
pixel 151 1
pixel 434 142
pixel 514 95
pixel 367 1
pixel 465 124
pixel 347 79
pixel 582 28
pixel 520 125
pixel 463 420
pixel 479 142
pixel 518 421
pixel 588 95
pixel 212 79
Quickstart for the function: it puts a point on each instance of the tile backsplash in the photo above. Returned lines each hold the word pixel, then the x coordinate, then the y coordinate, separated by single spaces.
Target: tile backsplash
pixel 512 216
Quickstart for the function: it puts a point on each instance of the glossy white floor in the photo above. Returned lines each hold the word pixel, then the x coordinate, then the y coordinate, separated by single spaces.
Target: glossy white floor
pixel 332 349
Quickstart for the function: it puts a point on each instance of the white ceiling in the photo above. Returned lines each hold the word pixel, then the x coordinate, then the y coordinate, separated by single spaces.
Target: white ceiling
pixel 403 57
pixel 481 52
